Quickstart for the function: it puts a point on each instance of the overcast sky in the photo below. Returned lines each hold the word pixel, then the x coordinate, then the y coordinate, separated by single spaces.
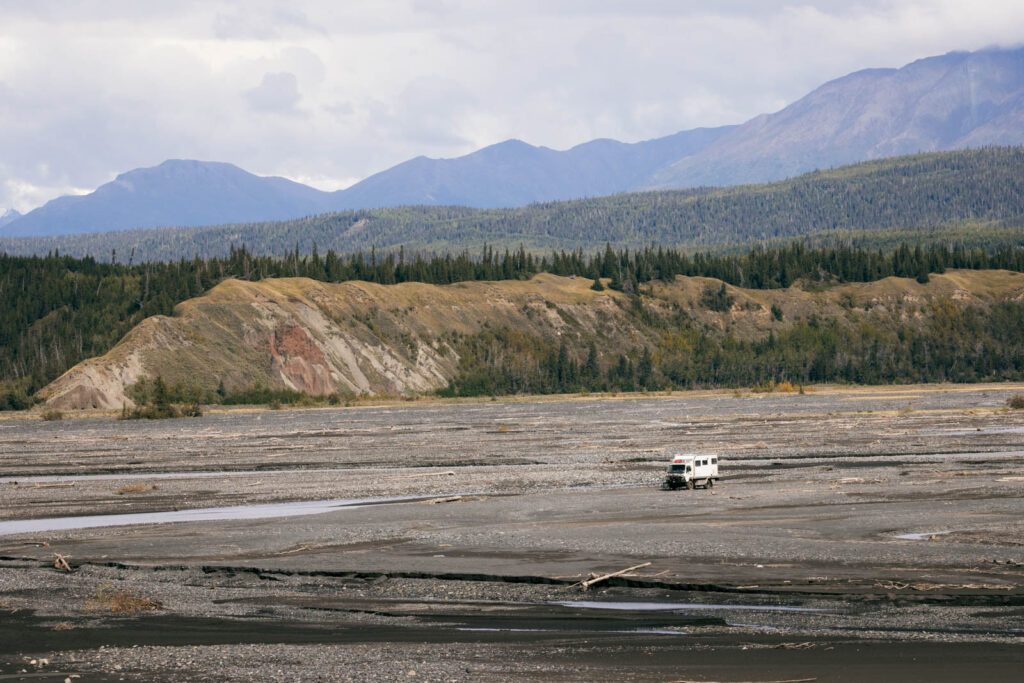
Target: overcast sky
pixel 328 92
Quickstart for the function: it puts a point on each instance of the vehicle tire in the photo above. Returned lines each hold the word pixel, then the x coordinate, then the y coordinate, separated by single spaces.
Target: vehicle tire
pixel 711 483
pixel 690 485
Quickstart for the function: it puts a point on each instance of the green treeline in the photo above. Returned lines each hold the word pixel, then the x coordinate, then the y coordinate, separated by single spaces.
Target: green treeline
pixel 156 399
pixel 58 310
pixel 156 392
pixel 949 344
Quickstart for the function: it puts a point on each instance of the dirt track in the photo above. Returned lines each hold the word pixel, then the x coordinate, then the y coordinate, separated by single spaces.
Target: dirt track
pixel 896 514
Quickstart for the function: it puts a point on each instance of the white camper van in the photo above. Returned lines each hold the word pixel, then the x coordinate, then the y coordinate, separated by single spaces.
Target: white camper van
pixel 691 471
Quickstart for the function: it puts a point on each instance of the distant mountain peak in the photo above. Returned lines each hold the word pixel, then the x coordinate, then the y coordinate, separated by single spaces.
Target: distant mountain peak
pixel 957 100
pixel 510 144
pixel 506 149
pixel 183 166
pixel 175 193
pixel 9 216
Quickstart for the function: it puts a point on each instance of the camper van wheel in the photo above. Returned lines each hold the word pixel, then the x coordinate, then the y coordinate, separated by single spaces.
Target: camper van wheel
pixel 690 485
pixel 711 482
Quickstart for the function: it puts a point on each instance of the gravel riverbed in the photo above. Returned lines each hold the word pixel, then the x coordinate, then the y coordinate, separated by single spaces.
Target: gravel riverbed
pixel 894 516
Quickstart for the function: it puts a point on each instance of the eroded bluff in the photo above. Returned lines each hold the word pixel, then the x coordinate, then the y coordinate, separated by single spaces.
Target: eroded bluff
pixel 358 338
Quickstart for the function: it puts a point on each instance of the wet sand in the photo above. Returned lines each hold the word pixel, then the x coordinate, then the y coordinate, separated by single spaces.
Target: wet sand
pixel 856 533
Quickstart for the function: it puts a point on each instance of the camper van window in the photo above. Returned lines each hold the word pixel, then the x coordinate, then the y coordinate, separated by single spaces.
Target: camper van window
pixel 714 461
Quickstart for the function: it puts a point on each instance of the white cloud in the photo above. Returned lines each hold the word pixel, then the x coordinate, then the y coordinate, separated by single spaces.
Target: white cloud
pixel 336 91
pixel 22 193
pixel 276 93
pixel 270 24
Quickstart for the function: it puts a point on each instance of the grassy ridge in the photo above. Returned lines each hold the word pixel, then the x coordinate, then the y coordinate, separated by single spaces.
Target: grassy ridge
pixel 277 339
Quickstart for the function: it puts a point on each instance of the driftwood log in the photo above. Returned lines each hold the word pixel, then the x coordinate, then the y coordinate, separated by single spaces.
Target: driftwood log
pixel 584 585
pixel 61 562
pixel 447 473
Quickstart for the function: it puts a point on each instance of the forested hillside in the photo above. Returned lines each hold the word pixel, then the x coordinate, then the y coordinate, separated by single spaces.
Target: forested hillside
pixel 296 338
pixel 58 310
pixel 977 193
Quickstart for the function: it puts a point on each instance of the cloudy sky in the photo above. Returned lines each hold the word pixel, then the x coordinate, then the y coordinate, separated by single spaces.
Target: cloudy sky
pixel 328 92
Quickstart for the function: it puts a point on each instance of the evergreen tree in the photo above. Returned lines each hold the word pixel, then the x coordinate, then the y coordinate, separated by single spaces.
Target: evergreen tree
pixel 592 368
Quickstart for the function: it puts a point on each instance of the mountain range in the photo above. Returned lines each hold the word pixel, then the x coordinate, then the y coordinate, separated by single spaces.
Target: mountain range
pixel 188 193
pixel 954 101
pixel 971 195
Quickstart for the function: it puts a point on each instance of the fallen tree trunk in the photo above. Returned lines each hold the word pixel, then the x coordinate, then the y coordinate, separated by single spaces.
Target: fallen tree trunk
pixel 448 473
pixel 604 577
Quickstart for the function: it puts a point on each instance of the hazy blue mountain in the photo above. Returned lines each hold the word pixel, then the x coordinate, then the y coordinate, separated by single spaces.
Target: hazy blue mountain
pixel 955 101
pixel 514 173
pixel 175 193
pixel 9 216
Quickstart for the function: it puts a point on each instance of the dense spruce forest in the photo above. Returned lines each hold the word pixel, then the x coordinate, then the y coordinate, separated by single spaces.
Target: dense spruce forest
pixel 58 310
pixel 950 345
pixel 938 195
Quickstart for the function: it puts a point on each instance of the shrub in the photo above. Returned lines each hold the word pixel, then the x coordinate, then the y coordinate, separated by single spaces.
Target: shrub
pixel 122 602
pixel 260 395
pixel 772 386
pixel 1016 402
pixel 152 412
pixel 156 400
pixel 52 415
pixel 716 298
pixel 16 399
pixel 135 488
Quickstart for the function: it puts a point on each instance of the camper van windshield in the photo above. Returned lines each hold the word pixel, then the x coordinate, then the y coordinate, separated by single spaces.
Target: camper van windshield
pixel 677 468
